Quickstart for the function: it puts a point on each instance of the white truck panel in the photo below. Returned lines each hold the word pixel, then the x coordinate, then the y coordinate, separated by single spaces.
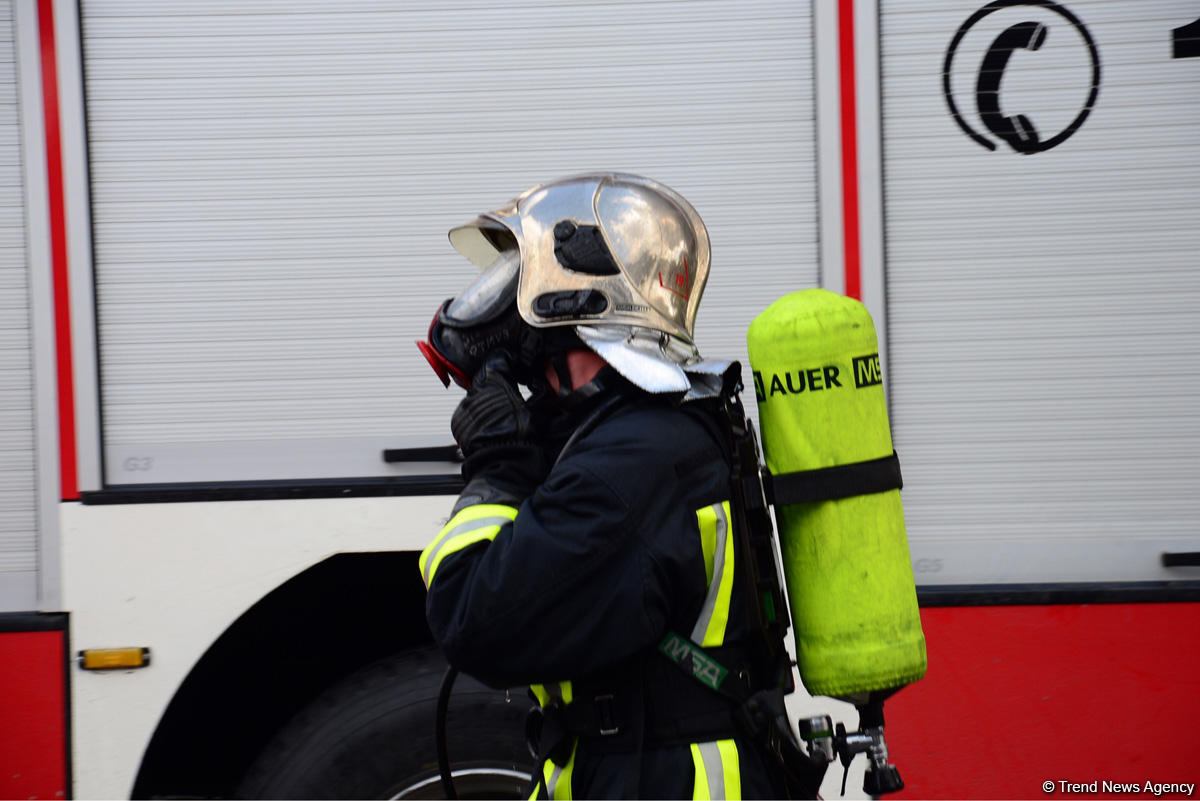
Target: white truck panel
pixel 19 532
pixel 1043 331
pixel 271 194
pixel 186 571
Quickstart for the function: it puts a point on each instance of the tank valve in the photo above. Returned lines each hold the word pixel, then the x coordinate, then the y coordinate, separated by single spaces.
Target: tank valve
pixel 824 741
pixel 817 734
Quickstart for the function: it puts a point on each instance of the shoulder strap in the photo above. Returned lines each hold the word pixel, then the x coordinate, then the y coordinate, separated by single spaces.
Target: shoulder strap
pixel 729 426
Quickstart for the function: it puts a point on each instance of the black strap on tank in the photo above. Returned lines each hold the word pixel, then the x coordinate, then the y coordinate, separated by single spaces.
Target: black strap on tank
pixel 832 483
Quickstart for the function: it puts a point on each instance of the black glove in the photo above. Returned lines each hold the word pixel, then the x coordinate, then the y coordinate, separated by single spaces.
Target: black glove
pixel 493 411
pixel 495 430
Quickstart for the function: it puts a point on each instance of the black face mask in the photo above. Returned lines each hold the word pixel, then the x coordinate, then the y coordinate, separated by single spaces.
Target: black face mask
pixel 484 319
pixel 456 350
pixel 481 320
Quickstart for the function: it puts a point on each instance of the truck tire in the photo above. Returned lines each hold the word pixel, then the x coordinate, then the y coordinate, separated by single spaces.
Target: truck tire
pixel 372 736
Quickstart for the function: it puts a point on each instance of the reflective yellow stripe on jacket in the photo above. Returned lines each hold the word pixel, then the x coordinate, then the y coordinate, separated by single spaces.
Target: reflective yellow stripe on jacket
pixel 558 777
pixel 561 692
pixel 470 525
pixel 716 538
pixel 717 772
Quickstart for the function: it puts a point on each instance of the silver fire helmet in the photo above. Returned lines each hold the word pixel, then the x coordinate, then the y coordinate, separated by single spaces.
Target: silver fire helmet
pixel 622 258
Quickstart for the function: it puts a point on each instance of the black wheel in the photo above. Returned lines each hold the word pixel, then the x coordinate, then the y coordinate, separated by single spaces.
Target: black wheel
pixel 372 736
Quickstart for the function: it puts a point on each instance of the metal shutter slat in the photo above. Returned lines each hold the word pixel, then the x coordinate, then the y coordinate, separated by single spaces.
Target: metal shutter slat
pixel 18 515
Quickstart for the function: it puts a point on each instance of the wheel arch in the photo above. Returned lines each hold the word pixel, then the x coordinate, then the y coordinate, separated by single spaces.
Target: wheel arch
pixel 304 636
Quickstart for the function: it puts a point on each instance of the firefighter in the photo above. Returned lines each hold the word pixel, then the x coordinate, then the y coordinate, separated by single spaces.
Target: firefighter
pixel 596 521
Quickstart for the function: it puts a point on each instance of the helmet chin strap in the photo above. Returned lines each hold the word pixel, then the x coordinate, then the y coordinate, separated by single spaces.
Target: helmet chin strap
pixel 595 374
pixel 562 371
pixel 603 381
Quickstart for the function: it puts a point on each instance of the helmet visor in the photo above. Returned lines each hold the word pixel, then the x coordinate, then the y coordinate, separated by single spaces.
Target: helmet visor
pixel 488 295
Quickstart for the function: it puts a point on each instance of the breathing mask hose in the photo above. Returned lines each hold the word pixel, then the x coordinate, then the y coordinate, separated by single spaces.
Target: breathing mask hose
pixel 443 754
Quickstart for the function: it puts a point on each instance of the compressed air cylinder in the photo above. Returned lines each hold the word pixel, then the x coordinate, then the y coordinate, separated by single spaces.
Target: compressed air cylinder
pixel 850 585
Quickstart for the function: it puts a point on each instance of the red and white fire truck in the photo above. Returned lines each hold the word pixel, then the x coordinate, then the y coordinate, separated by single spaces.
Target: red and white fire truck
pixel 223 225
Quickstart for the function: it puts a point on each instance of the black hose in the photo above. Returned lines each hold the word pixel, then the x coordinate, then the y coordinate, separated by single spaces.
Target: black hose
pixel 443 755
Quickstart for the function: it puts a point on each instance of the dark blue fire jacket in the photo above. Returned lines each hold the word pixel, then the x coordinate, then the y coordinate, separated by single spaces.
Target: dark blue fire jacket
pixel 572 589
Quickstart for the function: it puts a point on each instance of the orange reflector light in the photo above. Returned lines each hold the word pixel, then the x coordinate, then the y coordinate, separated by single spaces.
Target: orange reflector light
pixel 114 658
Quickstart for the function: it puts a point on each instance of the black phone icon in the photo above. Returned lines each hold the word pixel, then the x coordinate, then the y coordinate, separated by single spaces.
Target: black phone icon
pixel 1018 130
pixel 1015 129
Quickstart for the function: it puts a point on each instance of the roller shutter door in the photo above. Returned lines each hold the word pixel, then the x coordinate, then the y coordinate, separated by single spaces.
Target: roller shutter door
pixel 1045 344
pixel 18 510
pixel 273 183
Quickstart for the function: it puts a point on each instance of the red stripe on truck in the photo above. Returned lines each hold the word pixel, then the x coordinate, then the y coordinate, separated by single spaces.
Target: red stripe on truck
pixel 849 149
pixel 58 254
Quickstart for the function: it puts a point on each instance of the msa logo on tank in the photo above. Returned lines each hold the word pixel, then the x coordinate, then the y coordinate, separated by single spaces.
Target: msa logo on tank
pixel 1021 74
pixel 865 370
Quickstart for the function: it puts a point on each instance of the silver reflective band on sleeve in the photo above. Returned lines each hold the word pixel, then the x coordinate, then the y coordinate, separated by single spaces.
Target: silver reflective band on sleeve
pixel 709 630
pixel 470 525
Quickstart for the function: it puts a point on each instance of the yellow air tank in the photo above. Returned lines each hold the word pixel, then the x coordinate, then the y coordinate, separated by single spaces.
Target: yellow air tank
pixel 828 445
